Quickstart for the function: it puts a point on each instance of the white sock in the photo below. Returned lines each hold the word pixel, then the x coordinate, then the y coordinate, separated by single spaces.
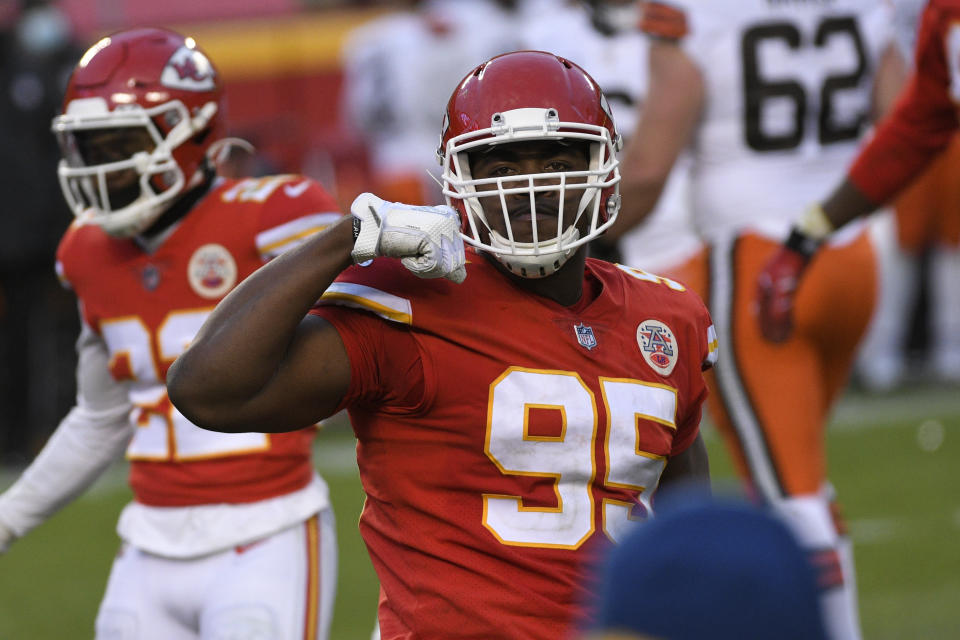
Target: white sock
pixel 810 517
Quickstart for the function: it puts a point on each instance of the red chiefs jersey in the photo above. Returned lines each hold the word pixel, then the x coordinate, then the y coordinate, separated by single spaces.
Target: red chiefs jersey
pixel 925 117
pixel 504 439
pixel 147 307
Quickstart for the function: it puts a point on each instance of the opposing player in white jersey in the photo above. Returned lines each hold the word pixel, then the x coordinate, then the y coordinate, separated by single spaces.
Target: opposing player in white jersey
pixel 397 72
pixel 227 535
pixel 603 37
pixel 772 99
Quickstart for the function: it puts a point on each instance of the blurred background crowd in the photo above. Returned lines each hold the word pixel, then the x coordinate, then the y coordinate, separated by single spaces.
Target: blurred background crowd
pixel 348 92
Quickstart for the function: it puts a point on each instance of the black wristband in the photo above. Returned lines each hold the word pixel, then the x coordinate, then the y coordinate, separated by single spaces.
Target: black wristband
pixel 356 228
pixel 802 243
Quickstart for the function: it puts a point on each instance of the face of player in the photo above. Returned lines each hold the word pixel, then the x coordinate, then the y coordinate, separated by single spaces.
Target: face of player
pixel 513 163
pixel 103 146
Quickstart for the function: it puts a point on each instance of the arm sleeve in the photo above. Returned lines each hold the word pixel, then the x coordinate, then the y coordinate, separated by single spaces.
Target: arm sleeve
pixel 921 124
pixel 705 336
pixel 92 435
pixel 387 367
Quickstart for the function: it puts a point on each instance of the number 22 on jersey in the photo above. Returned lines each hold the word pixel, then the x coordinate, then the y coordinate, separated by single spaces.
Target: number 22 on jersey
pixel 163 434
pixel 570 456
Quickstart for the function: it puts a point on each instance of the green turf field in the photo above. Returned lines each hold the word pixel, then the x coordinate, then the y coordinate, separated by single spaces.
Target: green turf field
pixel 895 461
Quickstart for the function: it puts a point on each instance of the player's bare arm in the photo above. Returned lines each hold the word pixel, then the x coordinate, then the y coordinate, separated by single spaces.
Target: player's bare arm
pixel 258 363
pixel 665 126
pixel 692 465
pixel 847 202
pixel 891 77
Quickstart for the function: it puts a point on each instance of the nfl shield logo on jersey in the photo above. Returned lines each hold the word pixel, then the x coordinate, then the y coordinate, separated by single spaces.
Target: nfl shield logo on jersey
pixel 150 277
pixel 657 345
pixel 585 335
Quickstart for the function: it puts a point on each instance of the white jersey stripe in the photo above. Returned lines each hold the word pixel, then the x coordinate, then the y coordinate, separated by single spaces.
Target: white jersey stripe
pixel 358 296
pixel 734 396
pixel 713 346
pixel 273 242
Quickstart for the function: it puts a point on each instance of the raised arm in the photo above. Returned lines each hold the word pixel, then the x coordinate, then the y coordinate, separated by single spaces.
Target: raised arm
pixel 260 362
pixel 667 119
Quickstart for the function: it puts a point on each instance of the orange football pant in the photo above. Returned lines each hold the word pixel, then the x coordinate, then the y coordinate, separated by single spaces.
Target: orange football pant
pixel 770 401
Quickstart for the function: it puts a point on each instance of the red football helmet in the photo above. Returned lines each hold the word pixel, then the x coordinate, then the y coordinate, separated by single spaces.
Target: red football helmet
pixel 525 96
pixel 140 113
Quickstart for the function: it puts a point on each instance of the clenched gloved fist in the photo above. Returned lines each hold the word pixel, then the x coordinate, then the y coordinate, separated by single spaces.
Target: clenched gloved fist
pixel 427 239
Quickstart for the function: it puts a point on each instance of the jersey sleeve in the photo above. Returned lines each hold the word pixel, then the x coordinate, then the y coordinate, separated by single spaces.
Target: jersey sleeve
pixel 386 364
pixel 922 122
pixel 297 209
pixel 65 265
pixel 705 337
pixel 87 440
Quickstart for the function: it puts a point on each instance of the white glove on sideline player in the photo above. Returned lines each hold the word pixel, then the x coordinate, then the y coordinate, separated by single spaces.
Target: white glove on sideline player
pixel 427 239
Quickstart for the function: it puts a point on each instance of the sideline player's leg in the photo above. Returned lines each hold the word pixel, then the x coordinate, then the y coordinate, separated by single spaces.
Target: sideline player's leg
pixel 881 361
pixel 945 313
pixel 149 597
pixel 282 586
pixel 771 401
pixel 279 587
pixel 944 273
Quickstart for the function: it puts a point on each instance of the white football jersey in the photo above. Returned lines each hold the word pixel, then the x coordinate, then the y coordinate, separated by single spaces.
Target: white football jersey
pixel 619 65
pixel 907 23
pixel 788 96
pixel 400 69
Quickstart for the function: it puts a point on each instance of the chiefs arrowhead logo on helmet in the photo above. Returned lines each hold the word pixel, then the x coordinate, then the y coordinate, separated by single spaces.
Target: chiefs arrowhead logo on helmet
pixel 188 70
pixel 151 86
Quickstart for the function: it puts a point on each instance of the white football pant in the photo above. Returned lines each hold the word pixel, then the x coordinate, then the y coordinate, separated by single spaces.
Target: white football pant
pixel 278 588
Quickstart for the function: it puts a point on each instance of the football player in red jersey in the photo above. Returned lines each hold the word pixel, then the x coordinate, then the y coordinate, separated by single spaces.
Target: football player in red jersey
pixel 228 534
pixel 919 128
pixel 517 404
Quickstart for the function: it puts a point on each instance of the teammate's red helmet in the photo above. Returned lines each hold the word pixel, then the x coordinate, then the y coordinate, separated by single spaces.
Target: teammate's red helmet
pixel 160 100
pixel 524 96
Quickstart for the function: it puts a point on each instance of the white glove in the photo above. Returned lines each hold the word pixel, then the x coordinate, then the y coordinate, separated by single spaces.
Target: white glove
pixel 426 238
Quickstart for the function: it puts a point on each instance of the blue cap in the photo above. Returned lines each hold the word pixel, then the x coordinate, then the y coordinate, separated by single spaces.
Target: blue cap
pixel 710 569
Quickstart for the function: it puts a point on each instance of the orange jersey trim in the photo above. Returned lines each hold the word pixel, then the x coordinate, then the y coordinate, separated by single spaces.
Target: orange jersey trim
pixel 312 608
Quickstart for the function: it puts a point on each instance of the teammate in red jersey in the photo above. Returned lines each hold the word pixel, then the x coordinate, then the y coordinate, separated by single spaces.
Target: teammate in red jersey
pixel 517 404
pixel 921 126
pixel 227 535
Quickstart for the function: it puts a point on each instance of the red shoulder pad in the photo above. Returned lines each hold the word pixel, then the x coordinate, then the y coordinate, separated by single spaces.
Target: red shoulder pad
pixel 295 197
pixel 295 209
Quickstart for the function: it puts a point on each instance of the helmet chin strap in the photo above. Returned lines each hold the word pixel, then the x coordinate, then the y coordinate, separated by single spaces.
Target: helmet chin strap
pixel 520 258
